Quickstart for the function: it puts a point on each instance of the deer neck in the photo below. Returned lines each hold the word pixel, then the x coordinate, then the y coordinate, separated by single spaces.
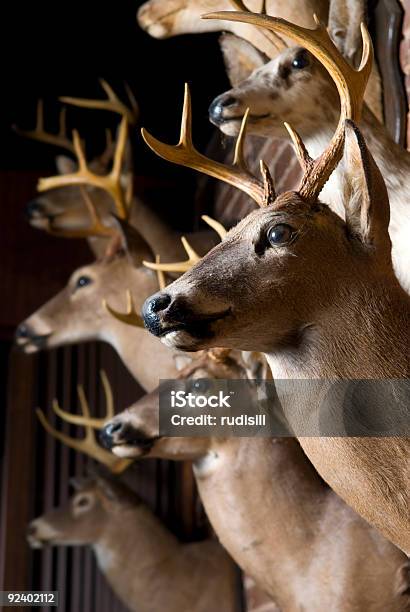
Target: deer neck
pixel 394 164
pixel 332 344
pixel 162 239
pixel 141 353
pixel 131 551
pixel 270 541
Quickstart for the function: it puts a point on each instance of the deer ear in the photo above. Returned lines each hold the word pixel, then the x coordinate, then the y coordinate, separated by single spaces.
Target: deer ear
pixel 365 195
pixel 79 483
pixel 65 165
pixel 345 17
pixel 240 57
pixel 130 241
pixel 109 488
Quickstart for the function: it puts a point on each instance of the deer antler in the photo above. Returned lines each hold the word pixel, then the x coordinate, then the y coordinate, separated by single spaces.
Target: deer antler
pixel 111 182
pixel 351 85
pixel 276 40
pixel 185 154
pixel 39 133
pixel 111 103
pixel 87 445
pixel 193 257
pixel 131 317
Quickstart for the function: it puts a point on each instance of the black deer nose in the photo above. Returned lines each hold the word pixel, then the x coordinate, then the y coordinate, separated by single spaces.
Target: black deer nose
pixel 152 306
pixel 159 302
pixel 31 530
pixel 110 433
pixel 34 208
pixel 22 332
pixel 217 107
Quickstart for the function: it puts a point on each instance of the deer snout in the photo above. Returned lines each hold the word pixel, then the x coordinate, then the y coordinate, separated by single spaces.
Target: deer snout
pixel 39 533
pixel 35 209
pixel 223 108
pixel 154 309
pixel 29 339
pixel 124 439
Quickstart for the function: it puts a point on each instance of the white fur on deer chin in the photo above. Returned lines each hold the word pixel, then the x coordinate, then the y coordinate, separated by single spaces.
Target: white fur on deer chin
pixel 180 339
pixel 106 558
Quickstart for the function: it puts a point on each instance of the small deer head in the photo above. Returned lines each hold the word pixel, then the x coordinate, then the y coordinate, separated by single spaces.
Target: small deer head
pixel 293 87
pixel 63 210
pixel 83 520
pixel 134 433
pixel 77 312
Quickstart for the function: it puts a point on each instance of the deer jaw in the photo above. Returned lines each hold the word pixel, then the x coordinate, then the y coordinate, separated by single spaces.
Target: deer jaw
pixel 77 314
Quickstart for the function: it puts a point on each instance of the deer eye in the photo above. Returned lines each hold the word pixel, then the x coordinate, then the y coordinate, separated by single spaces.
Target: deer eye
pixel 301 60
pixel 82 503
pixel 280 234
pixel 200 385
pixel 83 281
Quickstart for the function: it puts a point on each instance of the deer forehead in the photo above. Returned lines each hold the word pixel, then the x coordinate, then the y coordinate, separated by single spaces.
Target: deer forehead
pixel 287 208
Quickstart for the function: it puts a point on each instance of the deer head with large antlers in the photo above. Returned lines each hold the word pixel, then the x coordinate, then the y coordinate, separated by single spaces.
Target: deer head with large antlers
pixel 63 211
pixel 270 509
pixel 316 294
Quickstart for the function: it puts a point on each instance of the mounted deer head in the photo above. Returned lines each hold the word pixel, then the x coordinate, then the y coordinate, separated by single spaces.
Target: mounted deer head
pixel 63 210
pixel 300 523
pixel 293 87
pixel 296 282
pixel 77 313
pixel 160 572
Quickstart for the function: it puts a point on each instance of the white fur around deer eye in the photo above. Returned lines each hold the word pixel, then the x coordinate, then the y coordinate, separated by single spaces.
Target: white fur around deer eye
pixel 82 504
pixel 280 234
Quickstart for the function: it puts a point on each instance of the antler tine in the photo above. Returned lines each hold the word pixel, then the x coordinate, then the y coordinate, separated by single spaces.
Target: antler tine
pixel 160 275
pixel 111 103
pixel 88 444
pixel 351 85
pixel 269 189
pixel 185 154
pixel 132 99
pixel 85 419
pixel 130 317
pixel 180 266
pixel 58 140
pixel 193 257
pixel 111 182
pixel 272 37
